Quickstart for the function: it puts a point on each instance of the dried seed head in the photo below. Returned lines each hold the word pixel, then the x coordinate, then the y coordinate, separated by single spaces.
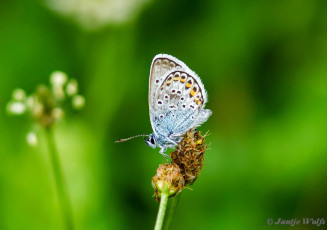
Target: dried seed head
pixel 167 175
pixel 189 155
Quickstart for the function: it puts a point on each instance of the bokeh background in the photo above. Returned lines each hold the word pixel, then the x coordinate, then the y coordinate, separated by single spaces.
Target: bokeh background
pixel 264 65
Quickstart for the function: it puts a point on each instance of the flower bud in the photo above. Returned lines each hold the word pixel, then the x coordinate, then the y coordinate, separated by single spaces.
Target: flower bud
pixel 16 108
pixel 18 95
pixel 46 104
pixel 58 78
pixel 72 87
pixel 78 101
pixel 58 113
pixel 167 175
pixel 31 139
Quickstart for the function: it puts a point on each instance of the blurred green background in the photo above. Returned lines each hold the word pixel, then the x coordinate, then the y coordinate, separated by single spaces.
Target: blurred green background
pixel 264 65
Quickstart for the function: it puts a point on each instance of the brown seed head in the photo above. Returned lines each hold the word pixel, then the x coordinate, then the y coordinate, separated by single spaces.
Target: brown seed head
pixel 189 155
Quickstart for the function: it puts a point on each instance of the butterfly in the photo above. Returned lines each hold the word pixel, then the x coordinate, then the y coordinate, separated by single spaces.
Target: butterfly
pixel 176 102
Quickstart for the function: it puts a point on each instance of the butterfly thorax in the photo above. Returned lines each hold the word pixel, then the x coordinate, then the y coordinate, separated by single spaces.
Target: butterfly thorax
pixel 162 141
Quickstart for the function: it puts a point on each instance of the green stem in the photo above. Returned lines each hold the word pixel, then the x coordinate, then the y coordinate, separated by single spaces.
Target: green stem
pixel 171 212
pixel 162 208
pixel 62 193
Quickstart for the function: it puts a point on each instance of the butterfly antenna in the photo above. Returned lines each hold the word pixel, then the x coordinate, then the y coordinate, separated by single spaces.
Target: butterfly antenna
pixel 126 139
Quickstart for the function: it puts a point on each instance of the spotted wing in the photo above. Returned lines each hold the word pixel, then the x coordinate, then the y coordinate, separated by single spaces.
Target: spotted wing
pixel 180 99
pixel 161 64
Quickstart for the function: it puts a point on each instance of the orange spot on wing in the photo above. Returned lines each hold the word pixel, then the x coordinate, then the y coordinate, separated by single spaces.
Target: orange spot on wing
pixel 192 93
pixel 183 80
pixel 188 85
pixel 169 81
pixel 197 101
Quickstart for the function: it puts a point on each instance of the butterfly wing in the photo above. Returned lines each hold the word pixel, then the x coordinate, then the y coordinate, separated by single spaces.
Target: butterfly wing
pixel 161 64
pixel 179 103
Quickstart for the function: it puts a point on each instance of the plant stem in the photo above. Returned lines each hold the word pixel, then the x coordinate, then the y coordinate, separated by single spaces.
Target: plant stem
pixel 171 211
pixel 162 208
pixel 59 180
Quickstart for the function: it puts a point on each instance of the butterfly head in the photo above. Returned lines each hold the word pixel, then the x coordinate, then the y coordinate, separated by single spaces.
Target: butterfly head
pixel 151 141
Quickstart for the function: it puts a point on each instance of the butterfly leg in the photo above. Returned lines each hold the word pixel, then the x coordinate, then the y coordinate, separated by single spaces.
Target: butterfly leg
pixel 172 142
pixel 162 152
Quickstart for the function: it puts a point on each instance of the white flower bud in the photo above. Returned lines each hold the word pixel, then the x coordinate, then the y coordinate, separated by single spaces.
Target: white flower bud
pixel 18 94
pixel 58 78
pixel 30 102
pixel 16 108
pixel 58 113
pixel 72 87
pixel 58 92
pixel 31 139
pixel 78 101
pixel 92 14
pixel 37 109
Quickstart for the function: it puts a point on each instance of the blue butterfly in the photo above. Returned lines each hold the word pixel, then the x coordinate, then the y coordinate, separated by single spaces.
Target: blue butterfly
pixel 176 102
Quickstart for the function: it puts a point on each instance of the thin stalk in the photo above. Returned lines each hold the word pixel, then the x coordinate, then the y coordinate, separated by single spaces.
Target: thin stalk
pixel 162 208
pixel 59 180
pixel 171 211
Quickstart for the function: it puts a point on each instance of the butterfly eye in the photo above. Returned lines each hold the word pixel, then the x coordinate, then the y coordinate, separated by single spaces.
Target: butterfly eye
pixel 150 141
